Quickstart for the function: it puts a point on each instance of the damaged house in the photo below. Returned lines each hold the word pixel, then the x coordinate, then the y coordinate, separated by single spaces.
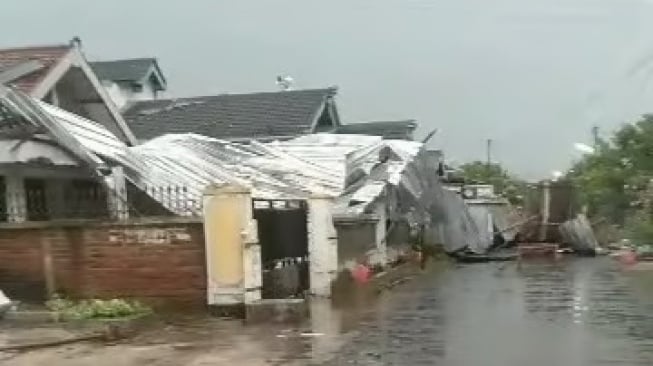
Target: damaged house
pixel 359 177
pixel 131 80
pixel 60 75
pixel 318 196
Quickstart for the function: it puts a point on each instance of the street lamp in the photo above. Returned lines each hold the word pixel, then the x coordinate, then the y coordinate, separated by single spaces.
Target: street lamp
pixel 584 148
pixel 556 174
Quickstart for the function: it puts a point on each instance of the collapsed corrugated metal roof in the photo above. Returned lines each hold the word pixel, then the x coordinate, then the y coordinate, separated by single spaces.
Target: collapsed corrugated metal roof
pixel 325 164
pixel 355 169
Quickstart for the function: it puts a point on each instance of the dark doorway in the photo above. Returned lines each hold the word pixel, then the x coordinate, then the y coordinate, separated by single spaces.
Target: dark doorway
pixel 283 234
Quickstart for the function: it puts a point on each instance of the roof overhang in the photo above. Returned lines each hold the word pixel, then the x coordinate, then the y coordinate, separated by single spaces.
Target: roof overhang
pixel 155 71
pixel 33 117
pixel 328 104
pixel 35 152
pixel 75 58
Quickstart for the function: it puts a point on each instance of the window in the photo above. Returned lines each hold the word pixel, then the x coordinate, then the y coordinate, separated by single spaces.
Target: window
pixel 85 199
pixel 35 200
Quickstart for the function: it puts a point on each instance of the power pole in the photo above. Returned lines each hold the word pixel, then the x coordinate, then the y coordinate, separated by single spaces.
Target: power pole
pixel 595 136
pixel 489 153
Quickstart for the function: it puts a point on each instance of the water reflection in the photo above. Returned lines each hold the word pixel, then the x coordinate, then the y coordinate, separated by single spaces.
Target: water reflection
pixel 572 312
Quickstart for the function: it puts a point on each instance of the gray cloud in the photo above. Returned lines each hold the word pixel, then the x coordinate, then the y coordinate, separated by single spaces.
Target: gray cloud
pixel 533 75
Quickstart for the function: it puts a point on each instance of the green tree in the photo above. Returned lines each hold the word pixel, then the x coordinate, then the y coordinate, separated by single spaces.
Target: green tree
pixel 614 181
pixel 478 172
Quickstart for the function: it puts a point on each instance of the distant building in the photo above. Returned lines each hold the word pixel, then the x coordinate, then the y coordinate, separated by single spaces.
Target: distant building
pixel 131 80
pixel 263 116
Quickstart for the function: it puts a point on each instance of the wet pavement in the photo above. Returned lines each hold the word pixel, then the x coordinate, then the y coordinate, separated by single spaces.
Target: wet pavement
pixel 573 312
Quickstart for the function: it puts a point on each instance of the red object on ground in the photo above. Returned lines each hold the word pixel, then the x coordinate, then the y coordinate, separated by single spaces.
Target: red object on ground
pixel 361 274
pixel 628 258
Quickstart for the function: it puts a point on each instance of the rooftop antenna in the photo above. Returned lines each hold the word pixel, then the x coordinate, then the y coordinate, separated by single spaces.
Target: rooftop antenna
pixel 285 82
pixel 76 42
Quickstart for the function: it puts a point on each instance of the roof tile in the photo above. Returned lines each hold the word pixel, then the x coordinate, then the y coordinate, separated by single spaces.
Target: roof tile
pixel 400 130
pixel 123 70
pixel 229 116
pixel 46 55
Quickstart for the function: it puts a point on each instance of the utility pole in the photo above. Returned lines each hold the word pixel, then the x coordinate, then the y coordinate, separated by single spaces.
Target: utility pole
pixel 489 153
pixel 595 137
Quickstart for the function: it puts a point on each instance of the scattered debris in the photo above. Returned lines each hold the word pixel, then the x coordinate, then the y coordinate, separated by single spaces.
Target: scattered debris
pixel 579 235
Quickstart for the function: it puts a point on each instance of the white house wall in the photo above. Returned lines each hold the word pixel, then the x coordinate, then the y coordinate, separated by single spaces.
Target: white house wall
pixel 122 93
pixel 119 96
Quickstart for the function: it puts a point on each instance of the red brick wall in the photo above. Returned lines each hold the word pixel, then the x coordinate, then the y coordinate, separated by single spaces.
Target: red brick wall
pixel 157 261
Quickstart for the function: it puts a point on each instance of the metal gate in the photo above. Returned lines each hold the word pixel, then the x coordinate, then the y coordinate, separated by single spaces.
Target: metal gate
pixel 283 236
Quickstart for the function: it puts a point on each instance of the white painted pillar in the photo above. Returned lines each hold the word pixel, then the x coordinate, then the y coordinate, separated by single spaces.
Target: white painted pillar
pixel 322 245
pixel 252 263
pixel 117 195
pixel 381 242
pixel 16 198
pixel 546 207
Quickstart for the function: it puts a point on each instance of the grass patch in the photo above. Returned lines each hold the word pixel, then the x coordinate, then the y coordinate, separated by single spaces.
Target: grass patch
pixel 95 308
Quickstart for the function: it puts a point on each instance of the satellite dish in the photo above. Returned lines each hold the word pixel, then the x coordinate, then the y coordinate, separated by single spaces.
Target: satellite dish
pixel 285 82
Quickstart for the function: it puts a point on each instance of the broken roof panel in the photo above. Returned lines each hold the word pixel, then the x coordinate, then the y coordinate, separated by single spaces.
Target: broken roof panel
pixel 47 56
pixel 278 170
pixel 327 151
pixel 230 116
pixel 29 116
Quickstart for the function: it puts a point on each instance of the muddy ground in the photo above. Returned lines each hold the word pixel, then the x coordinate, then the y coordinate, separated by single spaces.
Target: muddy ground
pixel 573 312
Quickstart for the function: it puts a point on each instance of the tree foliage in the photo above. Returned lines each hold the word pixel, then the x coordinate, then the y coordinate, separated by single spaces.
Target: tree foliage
pixel 614 182
pixel 478 172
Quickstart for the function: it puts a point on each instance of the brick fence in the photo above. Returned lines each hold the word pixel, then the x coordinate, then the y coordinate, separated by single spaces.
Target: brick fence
pixel 158 261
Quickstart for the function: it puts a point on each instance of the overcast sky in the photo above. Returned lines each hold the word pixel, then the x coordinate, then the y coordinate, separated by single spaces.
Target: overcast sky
pixel 532 75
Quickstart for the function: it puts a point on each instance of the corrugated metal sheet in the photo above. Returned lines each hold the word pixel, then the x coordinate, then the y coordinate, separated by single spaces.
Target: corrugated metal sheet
pixel 344 166
pixel 355 169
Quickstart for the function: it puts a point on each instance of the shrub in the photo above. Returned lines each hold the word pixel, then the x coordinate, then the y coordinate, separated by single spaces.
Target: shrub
pixel 95 308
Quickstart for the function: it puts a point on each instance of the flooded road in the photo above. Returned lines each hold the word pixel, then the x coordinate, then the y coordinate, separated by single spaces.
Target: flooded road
pixel 574 312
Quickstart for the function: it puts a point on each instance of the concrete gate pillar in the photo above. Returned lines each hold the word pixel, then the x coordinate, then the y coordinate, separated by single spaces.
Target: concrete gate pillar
pixel 322 245
pixel 233 255
pixel 380 255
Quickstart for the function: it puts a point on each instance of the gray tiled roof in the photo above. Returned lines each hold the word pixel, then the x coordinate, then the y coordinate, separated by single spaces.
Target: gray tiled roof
pixel 229 116
pixel 400 130
pixel 123 70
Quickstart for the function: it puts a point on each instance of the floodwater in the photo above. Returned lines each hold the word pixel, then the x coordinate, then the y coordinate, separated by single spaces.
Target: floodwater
pixel 571 312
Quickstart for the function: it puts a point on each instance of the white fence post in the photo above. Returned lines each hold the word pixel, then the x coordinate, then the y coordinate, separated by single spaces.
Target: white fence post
pixel 322 245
